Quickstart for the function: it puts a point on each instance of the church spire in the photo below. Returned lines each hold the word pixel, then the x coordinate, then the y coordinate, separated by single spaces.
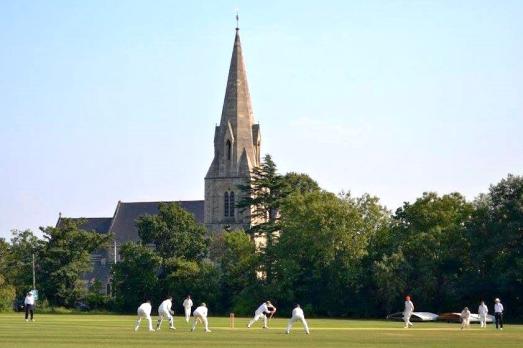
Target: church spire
pixel 237 142
pixel 237 106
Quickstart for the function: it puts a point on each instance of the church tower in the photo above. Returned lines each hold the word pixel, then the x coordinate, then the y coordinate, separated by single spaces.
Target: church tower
pixel 236 151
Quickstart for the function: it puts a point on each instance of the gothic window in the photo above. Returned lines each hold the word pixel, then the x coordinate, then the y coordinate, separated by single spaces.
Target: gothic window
pixel 231 204
pixel 226 204
pixel 228 149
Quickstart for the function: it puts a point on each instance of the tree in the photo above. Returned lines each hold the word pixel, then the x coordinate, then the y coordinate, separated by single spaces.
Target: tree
pixel 7 295
pixel 174 232
pixel 319 252
pixel 5 254
pixel 299 182
pixel 428 253
pixel 238 267
pixel 95 297
pixel 20 261
pixel 63 258
pixel 7 291
pixel 200 279
pixel 496 236
pixel 262 196
pixel 135 276
pixel 180 247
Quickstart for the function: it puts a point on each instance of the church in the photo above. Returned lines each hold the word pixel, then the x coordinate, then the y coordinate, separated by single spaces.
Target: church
pixel 237 141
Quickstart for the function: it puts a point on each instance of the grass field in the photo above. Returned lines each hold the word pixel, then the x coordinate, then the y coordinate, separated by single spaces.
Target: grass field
pixel 69 330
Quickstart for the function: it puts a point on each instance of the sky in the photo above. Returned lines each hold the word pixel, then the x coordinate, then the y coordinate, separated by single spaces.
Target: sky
pixel 103 101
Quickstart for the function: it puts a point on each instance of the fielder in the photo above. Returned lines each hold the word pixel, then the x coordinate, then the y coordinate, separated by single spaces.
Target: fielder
pixel 144 311
pixel 187 305
pixel 297 314
pixel 407 312
pixel 465 318
pixel 165 311
pixel 266 308
pixel 483 311
pixel 200 314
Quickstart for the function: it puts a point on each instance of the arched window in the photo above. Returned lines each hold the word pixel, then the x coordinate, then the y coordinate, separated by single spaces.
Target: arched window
pixel 226 204
pixel 231 204
pixel 228 149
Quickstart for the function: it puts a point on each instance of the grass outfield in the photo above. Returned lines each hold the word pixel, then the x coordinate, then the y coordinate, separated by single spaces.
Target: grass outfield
pixel 70 330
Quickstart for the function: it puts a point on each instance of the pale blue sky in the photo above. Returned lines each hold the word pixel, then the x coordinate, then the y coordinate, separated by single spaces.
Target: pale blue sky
pixel 103 101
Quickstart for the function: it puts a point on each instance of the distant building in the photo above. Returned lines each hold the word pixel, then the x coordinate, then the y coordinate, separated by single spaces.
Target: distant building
pixel 237 143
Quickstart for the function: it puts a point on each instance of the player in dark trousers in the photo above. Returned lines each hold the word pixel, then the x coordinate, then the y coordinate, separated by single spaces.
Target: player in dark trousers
pixel 498 314
pixel 29 304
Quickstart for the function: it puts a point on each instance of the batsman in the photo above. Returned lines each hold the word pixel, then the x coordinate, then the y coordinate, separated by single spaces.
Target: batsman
pixel 266 311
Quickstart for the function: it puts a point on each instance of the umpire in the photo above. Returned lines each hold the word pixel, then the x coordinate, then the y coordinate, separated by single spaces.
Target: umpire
pixel 29 304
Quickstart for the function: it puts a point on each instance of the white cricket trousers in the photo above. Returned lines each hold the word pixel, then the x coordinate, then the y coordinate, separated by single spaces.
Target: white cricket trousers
pixel 257 316
pixel 203 319
pixel 187 313
pixel 406 319
pixel 295 319
pixel 483 320
pixel 143 315
pixel 166 315
pixel 465 323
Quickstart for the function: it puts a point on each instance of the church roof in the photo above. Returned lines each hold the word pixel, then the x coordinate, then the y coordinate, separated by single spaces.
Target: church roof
pixel 99 225
pixel 123 225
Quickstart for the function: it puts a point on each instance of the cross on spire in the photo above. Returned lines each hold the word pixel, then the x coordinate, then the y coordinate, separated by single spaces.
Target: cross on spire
pixel 237 20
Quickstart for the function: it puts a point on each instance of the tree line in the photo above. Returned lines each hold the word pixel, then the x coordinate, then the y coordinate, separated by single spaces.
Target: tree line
pixel 336 254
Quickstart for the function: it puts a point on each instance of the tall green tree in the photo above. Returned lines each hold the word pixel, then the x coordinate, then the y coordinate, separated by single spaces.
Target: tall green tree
pixel 263 196
pixel 179 246
pixel 496 236
pixel 238 264
pixel 319 252
pixel 64 256
pixel 5 255
pixel 7 295
pixel 20 261
pixel 7 291
pixel 174 232
pixel 428 253
pixel 135 277
pixel 299 182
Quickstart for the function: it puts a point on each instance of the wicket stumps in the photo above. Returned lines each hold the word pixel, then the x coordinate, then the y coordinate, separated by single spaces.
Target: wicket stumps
pixel 231 320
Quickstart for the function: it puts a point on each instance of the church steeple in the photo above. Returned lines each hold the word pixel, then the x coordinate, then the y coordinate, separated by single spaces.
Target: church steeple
pixel 237 138
pixel 237 103
pixel 236 148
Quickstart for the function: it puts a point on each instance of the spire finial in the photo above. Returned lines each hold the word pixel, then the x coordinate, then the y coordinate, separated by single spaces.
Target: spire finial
pixel 237 20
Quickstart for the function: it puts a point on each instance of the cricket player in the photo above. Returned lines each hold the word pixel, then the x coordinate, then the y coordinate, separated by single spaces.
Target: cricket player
pixel 465 318
pixel 144 311
pixel 407 312
pixel 29 304
pixel 498 314
pixel 297 314
pixel 266 308
pixel 200 314
pixel 165 311
pixel 187 305
pixel 483 311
